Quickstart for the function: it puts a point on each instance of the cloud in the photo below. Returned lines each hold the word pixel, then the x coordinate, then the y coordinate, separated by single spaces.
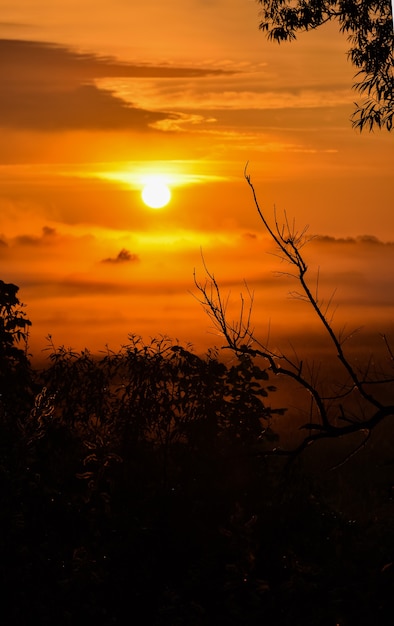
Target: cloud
pixel 47 61
pixel 48 236
pixel 83 108
pixel 49 251
pixel 49 87
pixel 124 256
pixel 249 236
pixel 360 240
pixel 47 231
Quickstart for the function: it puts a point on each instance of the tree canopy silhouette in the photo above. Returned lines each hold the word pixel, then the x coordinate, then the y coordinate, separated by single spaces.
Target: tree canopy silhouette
pixel 369 27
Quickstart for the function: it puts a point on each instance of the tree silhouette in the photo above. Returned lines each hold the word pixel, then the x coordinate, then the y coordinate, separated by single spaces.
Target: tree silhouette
pixel 358 403
pixel 369 27
pixel 14 362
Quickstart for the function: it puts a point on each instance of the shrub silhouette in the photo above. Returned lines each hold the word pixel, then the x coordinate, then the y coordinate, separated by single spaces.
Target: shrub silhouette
pixel 161 397
pixel 136 456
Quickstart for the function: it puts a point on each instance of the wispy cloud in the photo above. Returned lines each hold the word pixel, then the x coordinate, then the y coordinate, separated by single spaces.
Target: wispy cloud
pixel 361 239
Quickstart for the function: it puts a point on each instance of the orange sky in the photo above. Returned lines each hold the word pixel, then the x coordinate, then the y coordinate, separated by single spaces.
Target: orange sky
pixel 97 94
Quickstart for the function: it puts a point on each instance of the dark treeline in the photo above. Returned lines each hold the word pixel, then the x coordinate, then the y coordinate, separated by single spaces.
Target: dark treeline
pixel 139 486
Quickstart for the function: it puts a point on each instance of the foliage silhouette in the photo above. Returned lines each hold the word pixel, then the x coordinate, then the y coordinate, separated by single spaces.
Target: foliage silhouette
pixel 131 486
pixel 15 372
pixel 369 26
pixel 160 394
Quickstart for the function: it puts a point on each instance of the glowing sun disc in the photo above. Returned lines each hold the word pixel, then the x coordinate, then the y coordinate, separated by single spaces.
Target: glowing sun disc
pixel 156 194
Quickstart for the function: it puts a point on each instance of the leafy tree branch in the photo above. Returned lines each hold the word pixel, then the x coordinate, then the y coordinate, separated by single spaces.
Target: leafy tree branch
pixel 368 25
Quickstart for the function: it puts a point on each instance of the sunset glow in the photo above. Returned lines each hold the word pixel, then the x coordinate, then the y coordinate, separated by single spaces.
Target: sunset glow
pixel 101 101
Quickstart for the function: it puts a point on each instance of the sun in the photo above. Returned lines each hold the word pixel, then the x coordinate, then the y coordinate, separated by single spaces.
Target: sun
pixel 156 193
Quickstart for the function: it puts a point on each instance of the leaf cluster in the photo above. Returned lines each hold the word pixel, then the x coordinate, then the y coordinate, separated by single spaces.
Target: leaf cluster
pixel 15 372
pixel 13 322
pixel 368 25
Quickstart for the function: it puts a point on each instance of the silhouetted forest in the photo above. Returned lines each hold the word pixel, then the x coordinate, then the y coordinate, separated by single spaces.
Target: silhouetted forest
pixel 142 487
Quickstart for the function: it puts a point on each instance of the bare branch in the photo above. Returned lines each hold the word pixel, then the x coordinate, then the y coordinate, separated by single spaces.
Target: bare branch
pixel 240 337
